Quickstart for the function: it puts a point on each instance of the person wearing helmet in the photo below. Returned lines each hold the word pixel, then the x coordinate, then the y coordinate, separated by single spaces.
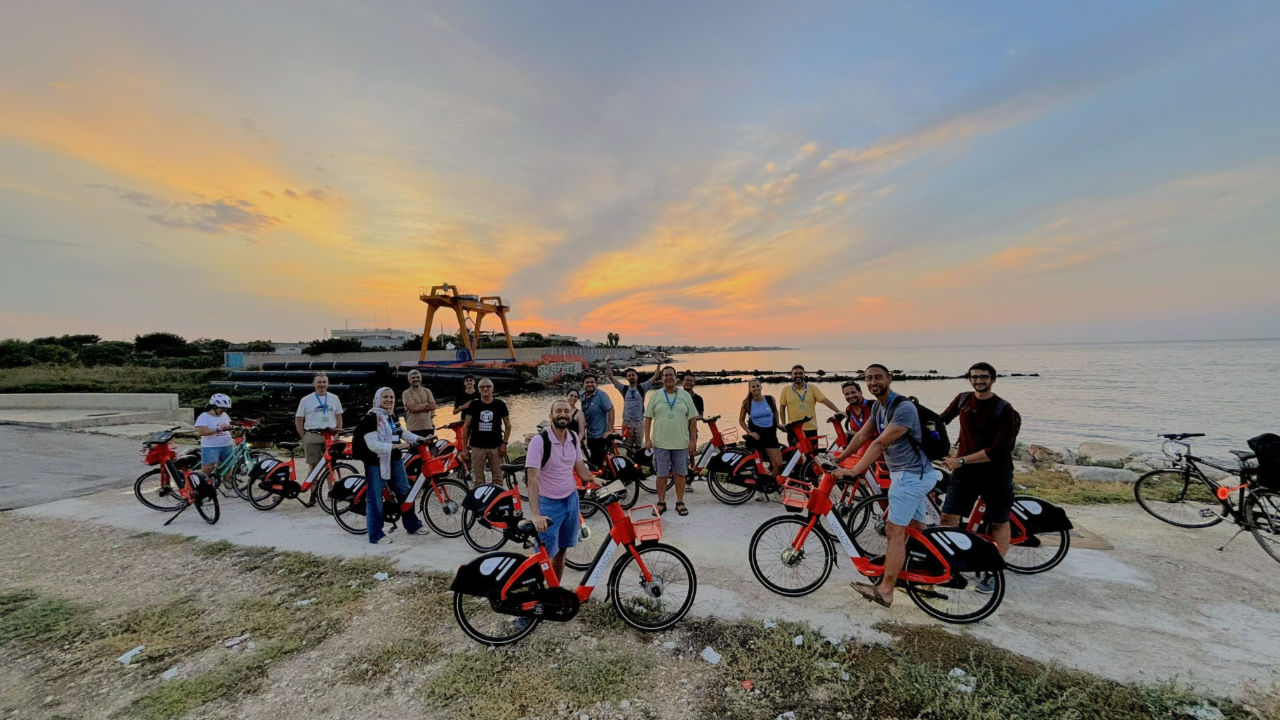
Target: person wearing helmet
pixel 214 428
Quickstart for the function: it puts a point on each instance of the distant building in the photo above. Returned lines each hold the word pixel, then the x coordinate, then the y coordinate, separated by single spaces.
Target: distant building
pixel 588 343
pixel 562 338
pixel 289 348
pixel 375 337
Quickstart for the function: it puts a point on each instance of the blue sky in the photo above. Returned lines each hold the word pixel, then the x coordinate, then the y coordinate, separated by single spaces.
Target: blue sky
pixel 809 174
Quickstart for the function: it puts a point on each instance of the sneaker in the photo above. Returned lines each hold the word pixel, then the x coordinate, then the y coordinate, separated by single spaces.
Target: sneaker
pixel 986 585
pixel 384 540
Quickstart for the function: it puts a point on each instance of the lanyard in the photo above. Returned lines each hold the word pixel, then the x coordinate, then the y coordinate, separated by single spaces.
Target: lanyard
pixel 322 405
pixel 670 399
pixel 801 396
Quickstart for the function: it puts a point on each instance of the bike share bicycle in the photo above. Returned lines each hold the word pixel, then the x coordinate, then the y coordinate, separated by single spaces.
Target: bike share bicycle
pixel 439 496
pixel 272 480
pixel 793 555
pixel 174 486
pixel 501 597
pixel 1185 496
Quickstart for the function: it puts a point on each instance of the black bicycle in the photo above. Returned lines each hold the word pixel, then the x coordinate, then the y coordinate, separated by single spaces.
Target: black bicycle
pixel 1184 495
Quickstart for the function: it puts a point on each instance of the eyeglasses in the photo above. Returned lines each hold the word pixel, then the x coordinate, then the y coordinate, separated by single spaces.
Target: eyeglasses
pixel 979 377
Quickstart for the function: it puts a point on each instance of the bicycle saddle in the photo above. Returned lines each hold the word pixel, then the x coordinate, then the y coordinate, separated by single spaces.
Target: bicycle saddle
pixel 614 437
pixel 526 526
pixel 511 468
pixel 711 419
pixel 1243 455
pixel 1180 436
pixel 288 445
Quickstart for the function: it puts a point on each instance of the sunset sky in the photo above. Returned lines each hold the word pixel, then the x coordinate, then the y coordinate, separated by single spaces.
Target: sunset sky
pixel 706 172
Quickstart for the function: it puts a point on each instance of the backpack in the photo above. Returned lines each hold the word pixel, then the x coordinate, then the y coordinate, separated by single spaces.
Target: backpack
pixel 1267 447
pixel 933 442
pixel 546 446
pixel 1017 416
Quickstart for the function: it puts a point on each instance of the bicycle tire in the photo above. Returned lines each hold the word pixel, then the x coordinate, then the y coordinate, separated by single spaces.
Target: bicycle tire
pixel 769 546
pixel 593 533
pixel 441 506
pixel 727 493
pixel 649 610
pixel 473 611
pixel 648 483
pixel 481 539
pixel 263 500
pixel 925 596
pixel 324 484
pixel 1020 560
pixel 151 493
pixel 206 505
pixel 865 525
pixel 1262 513
pixel 1179 498
pixel 350 515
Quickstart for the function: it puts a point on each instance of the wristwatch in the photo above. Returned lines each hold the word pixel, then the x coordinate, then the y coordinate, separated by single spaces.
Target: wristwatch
pixel 961 459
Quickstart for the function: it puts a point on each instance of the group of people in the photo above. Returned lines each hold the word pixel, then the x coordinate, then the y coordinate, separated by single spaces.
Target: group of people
pixel 660 414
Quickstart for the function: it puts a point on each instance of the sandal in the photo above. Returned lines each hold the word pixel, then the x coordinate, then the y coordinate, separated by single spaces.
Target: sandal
pixel 681 509
pixel 661 507
pixel 870 593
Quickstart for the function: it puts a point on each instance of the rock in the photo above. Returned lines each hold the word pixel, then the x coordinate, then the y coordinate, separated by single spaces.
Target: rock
pixel 128 657
pixel 304 603
pixel 625 705
pixel 1021 452
pixel 380 576
pixel 670 645
pixel 236 640
pixel 170 674
pixel 961 680
pixel 1069 456
pixel 1105 454
pixel 788 715
pixel 1101 474
pixel 1041 455
pixel 710 655
pixel 1203 711
pixel 798 640
pixel 769 624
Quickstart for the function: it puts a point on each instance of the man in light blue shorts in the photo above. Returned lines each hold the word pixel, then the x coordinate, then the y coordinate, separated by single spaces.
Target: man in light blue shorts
pixel 894 430
pixel 550 463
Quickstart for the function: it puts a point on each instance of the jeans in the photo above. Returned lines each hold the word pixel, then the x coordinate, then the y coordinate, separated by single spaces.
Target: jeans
pixel 373 498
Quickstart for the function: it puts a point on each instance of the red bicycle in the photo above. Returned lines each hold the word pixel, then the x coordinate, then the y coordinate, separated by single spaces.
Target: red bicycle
pixel 272 480
pixel 735 475
pixel 501 597
pixel 491 515
pixel 793 555
pixel 617 466
pixel 174 486
pixel 440 506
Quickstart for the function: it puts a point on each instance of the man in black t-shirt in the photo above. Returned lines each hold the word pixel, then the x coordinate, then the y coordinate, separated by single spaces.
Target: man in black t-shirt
pixel 485 434
pixel 468 394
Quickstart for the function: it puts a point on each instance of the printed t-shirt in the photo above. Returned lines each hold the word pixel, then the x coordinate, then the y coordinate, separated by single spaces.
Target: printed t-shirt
pixel 671 414
pixel 484 423
pixel 555 479
pixel 319 411
pixel 220 439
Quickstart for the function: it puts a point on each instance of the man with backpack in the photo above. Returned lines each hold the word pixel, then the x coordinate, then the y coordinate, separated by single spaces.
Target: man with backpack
pixel 554 456
pixel 982 465
pixel 896 431
pixel 632 400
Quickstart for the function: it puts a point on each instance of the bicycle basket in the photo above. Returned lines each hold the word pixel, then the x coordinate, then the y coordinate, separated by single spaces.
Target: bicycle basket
pixel 795 494
pixel 647 523
pixel 1267 447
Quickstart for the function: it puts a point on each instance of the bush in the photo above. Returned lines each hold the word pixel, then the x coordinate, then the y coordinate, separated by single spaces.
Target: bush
pixel 259 346
pixel 161 344
pixel 46 354
pixel 111 352
pixel 15 353
pixel 332 345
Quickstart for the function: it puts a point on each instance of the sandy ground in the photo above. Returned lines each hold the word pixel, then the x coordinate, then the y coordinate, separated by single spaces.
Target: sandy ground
pixel 1135 600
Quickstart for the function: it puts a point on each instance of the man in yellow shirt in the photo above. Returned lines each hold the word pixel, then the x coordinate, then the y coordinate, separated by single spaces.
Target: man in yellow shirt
pixel 800 400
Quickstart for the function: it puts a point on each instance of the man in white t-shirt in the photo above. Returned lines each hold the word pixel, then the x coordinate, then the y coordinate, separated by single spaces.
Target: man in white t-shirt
pixel 214 428
pixel 320 410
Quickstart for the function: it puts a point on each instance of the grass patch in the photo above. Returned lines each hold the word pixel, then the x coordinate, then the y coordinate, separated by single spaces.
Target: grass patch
pixel 536 677
pixel 29 617
pixel 191 386
pixel 214 549
pixel 377 663
pixel 1057 486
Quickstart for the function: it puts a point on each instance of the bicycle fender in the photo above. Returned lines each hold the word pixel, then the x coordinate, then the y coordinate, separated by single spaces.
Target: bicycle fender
pixel 479 497
pixel 486 575
pixel 1039 516
pixel 962 550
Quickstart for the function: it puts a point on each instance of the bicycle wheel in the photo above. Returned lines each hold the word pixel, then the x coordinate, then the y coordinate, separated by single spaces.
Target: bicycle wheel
pixel 959 600
pixel 440 505
pixel 206 503
pixel 1178 498
pixel 648 483
pixel 350 513
pixel 632 495
pixel 518 482
pixel 726 492
pixel 479 534
pixel 324 484
pixel 593 533
pixel 155 495
pixel 865 525
pixel 783 569
pixel 846 496
pixel 1262 511
pixel 1040 552
pixel 478 619
pixel 660 603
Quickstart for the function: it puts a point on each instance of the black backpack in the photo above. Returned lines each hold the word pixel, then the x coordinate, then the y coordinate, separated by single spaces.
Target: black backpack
pixel 1267 447
pixel 933 441
pixel 1017 416
pixel 546 446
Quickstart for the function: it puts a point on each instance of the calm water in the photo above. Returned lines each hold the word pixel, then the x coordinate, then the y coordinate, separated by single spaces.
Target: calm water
pixel 1124 393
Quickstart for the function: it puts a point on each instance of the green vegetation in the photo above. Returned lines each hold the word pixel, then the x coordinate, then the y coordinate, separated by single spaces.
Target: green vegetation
pixel 28 617
pixel 191 386
pixel 1057 486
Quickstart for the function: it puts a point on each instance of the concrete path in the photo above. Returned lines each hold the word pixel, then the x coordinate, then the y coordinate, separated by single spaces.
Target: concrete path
pixel 1161 603
pixel 39 466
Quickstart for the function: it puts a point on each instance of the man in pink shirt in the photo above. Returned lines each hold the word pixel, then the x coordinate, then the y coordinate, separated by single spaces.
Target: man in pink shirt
pixel 553 493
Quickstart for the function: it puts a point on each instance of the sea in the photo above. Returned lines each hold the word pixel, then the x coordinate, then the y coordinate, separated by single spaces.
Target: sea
pixel 1123 393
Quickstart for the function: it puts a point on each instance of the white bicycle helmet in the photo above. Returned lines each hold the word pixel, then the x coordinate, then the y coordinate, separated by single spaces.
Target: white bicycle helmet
pixel 221 401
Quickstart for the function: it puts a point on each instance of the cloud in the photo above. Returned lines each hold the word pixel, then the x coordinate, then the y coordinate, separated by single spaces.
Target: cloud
pixel 216 218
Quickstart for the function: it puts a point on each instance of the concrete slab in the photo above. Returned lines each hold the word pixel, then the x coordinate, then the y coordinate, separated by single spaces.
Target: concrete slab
pixel 71 411
pixel 74 419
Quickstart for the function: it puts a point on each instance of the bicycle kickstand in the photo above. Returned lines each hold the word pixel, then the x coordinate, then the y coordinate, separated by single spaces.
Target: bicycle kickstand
pixel 1233 537
pixel 175 515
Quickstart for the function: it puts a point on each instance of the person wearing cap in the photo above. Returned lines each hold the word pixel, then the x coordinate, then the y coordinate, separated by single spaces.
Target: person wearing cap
pixel 318 411
pixel 379 442
pixel 214 428
pixel 419 406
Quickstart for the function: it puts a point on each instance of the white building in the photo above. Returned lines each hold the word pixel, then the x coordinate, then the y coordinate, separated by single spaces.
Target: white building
pixel 561 338
pixel 375 337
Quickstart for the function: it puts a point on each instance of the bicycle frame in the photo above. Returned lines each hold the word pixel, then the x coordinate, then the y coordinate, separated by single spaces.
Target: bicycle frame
pixel 431 467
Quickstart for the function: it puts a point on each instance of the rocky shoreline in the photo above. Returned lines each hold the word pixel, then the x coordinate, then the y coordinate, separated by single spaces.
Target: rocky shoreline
pixel 1094 461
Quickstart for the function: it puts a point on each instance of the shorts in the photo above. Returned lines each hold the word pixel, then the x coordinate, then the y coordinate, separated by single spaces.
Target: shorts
pixel 768 438
pixel 563 532
pixel 909 494
pixel 635 428
pixel 313 446
pixel 215 455
pixel 990 481
pixel 671 462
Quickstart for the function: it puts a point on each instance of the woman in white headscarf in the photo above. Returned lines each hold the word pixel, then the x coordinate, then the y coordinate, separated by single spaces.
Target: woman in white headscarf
pixel 378 442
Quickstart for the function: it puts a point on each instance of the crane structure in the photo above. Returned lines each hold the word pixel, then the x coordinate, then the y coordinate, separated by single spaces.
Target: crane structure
pixel 473 308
